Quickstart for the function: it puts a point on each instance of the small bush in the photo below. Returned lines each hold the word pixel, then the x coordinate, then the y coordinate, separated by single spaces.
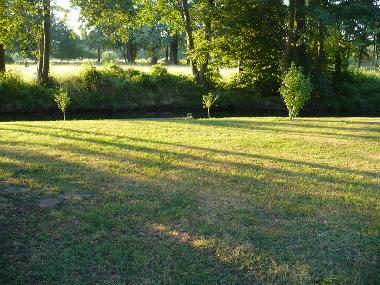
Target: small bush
pixel 63 101
pixel 208 101
pixel 109 57
pixel 115 70
pixel 158 70
pixel 91 76
pixel 296 89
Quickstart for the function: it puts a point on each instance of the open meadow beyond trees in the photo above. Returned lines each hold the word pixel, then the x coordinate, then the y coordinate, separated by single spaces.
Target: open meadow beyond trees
pixel 220 201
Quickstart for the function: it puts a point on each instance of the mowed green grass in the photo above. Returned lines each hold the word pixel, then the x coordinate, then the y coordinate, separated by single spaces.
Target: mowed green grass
pixel 220 201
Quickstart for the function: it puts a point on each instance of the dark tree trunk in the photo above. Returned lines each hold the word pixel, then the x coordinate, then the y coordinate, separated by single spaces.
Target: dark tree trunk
pixel 167 54
pixel 321 64
pixel 131 51
pixel 189 34
pixel 204 66
pixel 374 51
pixel 338 64
pixel 301 56
pixel 174 49
pixel 2 58
pixel 40 59
pixel 360 57
pixel 290 37
pixel 123 52
pixel 154 60
pixel 46 59
pixel 295 50
pixel 99 54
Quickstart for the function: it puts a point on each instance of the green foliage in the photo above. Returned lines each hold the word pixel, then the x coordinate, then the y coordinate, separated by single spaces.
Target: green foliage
pixel 17 95
pixel 65 43
pixel 208 101
pixel 158 70
pixel 8 58
pixel 115 89
pixel 358 92
pixel 109 57
pixel 295 89
pixel 63 101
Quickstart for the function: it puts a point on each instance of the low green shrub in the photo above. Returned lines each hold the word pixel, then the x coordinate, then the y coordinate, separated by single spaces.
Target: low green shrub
pixel 17 95
pixel 158 70
pixel 116 89
pixel 208 101
pixel 109 57
pixel 295 89
pixel 63 101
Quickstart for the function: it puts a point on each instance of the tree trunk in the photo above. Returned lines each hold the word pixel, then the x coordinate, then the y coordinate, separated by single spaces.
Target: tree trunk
pixel 123 54
pixel 208 113
pixel 189 34
pixel 2 58
pixel 167 54
pixel 204 66
pixel 360 57
pixel 40 59
pixel 46 59
pixel 374 51
pixel 321 64
pixel 290 37
pixel 301 57
pixel 174 49
pixel 99 54
pixel 131 51
pixel 154 60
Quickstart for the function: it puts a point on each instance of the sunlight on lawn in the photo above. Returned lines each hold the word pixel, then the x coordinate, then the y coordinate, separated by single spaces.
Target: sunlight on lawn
pixel 244 200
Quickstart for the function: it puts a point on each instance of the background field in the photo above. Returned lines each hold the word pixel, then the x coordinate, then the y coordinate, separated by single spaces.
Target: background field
pixel 62 70
pixel 222 201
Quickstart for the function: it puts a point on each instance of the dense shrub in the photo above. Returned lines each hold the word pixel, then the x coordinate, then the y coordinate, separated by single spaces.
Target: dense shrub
pixel 109 57
pixel 295 89
pixel 356 93
pixel 158 70
pixel 17 95
pixel 116 89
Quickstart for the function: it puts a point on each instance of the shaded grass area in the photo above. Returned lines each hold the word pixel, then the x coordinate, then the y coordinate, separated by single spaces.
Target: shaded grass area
pixel 236 201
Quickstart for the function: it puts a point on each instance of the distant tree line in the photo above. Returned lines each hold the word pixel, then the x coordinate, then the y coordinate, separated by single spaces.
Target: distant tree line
pixel 260 38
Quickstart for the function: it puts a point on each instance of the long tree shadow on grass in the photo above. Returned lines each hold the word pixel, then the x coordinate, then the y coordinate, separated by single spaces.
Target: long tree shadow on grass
pixel 124 145
pixel 179 230
pixel 122 239
pixel 284 128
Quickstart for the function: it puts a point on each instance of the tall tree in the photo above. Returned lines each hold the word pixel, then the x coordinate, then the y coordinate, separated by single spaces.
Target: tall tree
pixel 12 19
pixel 44 76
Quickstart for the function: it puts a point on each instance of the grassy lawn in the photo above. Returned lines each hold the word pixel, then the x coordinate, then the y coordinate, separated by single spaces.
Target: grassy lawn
pixel 221 201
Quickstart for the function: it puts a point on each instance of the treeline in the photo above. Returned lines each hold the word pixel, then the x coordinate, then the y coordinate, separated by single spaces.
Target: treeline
pixel 260 38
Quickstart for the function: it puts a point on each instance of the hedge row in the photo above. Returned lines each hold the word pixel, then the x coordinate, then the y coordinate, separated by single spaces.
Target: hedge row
pixel 116 89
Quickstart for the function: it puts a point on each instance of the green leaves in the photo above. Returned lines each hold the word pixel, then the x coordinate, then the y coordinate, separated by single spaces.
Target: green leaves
pixel 296 89
pixel 63 101
pixel 208 101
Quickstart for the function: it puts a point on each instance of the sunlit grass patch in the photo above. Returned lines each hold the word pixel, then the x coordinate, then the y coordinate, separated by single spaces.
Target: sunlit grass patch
pixel 235 200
